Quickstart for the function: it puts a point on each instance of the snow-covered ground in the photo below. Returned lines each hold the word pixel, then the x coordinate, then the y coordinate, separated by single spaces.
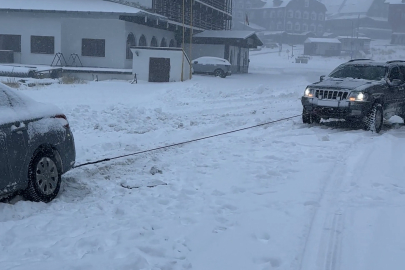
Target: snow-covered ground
pixel 281 196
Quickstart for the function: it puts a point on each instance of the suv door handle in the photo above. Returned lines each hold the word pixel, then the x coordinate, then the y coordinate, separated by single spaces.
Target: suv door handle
pixel 21 127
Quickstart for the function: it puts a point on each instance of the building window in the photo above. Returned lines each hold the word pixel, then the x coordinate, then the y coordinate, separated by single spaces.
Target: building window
pixel 320 28
pixel 290 14
pixel 313 16
pixel 172 43
pixel 153 42
pixel 43 44
pixel 321 17
pixel 312 28
pixel 163 43
pixel 272 14
pixel 130 42
pixel 306 3
pixel 297 27
pixel 305 15
pixel 298 14
pixel 280 14
pixel 289 26
pixel 142 41
pixel 279 26
pixel 93 47
pixel 10 42
pixel 305 27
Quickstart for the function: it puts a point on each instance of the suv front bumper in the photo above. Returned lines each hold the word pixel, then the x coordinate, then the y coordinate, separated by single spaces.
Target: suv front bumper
pixel 332 108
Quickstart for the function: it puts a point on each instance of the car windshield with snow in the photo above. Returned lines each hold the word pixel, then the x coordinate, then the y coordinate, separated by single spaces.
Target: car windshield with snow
pixel 363 92
pixel 36 147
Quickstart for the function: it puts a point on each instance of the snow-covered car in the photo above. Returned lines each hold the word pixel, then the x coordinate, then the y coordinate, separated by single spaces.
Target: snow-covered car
pixel 36 147
pixel 360 91
pixel 216 66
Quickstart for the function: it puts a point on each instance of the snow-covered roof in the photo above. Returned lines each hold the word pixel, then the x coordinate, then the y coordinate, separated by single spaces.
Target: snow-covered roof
pixel 270 4
pixel 322 40
pixel 347 6
pixel 356 6
pixel 225 34
pixel 349 37
pixel 394 2
pixel 99 6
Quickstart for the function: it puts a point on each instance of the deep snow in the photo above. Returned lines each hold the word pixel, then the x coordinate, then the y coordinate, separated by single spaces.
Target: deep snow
pixel 282 196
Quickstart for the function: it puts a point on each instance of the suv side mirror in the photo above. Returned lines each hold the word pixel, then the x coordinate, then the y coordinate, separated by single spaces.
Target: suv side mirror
pixel 395 82
pixel 322 78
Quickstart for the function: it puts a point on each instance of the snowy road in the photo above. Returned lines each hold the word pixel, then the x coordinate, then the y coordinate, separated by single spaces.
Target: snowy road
pixel 282 196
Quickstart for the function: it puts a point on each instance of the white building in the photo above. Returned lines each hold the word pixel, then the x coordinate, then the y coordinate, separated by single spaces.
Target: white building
pixel 99 32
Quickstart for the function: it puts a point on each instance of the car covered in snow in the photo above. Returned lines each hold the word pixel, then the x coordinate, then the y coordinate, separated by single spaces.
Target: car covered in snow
pixel 36 147
pixel 216 66
pixel 361 91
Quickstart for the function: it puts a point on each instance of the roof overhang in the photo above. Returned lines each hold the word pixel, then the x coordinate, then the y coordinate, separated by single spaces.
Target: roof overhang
pixel 238 38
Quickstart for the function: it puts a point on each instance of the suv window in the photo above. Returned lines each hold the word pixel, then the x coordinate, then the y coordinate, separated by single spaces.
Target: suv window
pixel 395 74
pixel 4 101
pixel 402 68
pixel 366 72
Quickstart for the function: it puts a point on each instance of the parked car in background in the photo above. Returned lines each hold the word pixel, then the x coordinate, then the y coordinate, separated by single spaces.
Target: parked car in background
pixel 36 147
pixel 218 67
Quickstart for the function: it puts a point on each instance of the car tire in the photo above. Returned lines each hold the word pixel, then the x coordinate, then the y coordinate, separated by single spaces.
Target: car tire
pixel 44 177
pixel 219 73
pixel 309 118
pixel 375 119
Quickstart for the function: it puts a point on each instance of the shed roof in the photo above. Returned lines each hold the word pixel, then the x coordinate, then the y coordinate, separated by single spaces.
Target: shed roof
pixel 99 6
pixel 222 36
pixel 323 40
pixel 225 34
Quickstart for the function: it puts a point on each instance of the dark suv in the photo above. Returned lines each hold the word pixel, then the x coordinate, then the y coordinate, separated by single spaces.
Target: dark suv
pixel 361 91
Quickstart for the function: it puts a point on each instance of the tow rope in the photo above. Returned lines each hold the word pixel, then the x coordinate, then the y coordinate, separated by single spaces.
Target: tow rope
pixel 186 142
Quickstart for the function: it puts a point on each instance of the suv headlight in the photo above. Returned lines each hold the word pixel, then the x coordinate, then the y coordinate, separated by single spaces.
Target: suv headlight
pixel 358 96
pixel 308 92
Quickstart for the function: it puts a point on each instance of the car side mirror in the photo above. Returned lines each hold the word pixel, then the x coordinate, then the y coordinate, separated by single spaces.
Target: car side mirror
pixel 322 78
pixel 396 82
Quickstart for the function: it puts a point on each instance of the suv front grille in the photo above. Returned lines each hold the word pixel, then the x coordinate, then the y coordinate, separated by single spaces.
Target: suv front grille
pixel 331 94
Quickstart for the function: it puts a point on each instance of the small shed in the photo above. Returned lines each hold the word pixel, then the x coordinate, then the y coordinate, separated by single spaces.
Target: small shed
pixel 160 64
pixel 231 45
pixel 322 46
pixel 355 44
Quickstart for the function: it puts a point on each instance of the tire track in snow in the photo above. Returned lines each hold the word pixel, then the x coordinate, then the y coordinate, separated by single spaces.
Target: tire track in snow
pixel 322 247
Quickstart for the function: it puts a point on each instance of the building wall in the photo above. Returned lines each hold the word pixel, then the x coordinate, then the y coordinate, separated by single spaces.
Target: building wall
pixel 68 31
pixel 199 50
pixel 139 30
pixel 141 63
pixel 27 25
pixel 397 17
pixel 298 16
pixel 112 31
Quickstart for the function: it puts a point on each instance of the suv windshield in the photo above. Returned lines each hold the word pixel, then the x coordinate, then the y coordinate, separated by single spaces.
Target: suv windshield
pixel 373 73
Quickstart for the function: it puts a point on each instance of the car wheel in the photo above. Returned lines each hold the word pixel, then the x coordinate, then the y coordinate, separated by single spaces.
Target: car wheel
pixel 219 73
pixel 374 119
pixel 309 118
pixel 44 177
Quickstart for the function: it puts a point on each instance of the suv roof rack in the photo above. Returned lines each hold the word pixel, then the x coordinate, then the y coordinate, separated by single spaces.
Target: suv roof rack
pixel 395 61
pixel 360 59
